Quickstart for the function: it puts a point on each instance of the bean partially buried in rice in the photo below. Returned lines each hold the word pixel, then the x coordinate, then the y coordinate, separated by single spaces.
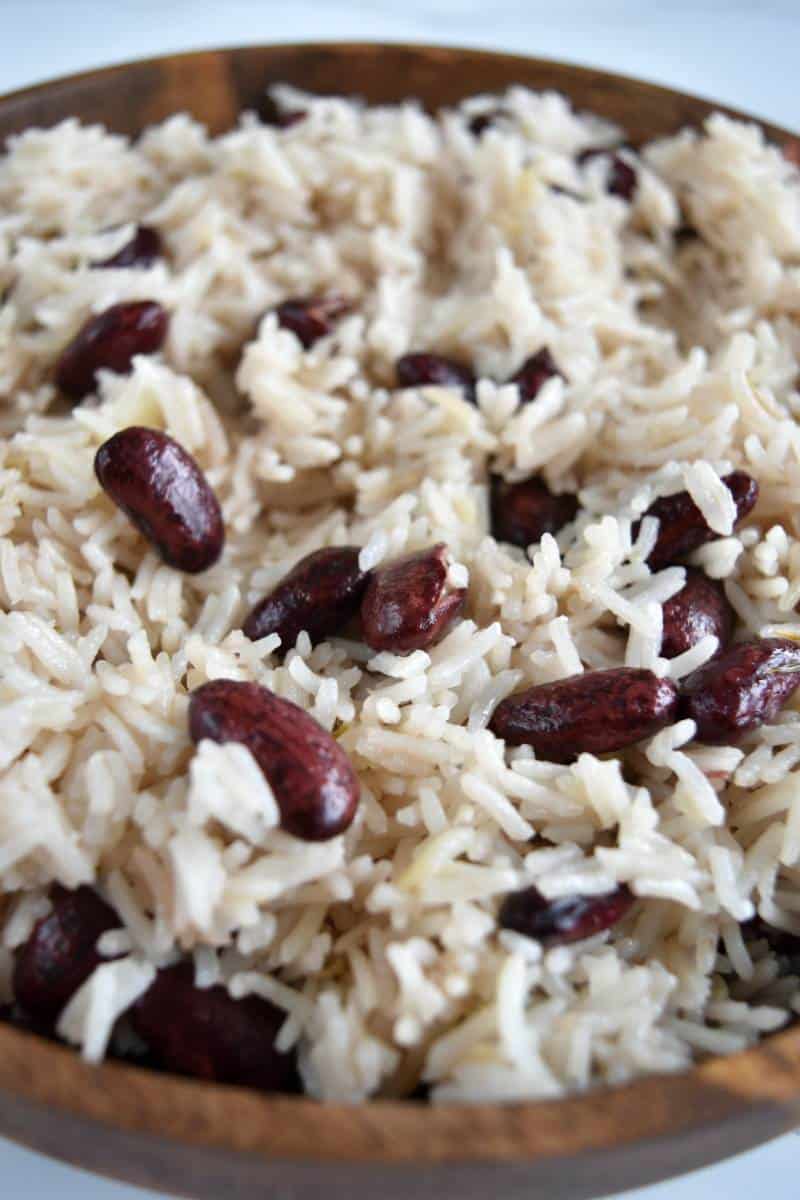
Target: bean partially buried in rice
pixel 522 513
pixel 315 786
pixel 142 250
pixel 207 1033
pixel 312 318
pixel 409 604
pixel 435 370
pixel 534 373
pixel 565 919
pixel 319 595
pixel 621 177
pixel 742 688
pixel 682 526
pixel 110 341
pixel 700 609
pixel 61 952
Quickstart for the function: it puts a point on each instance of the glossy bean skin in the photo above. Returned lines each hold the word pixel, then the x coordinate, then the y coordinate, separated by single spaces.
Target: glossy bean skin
pixel 163 492
pixel 311 318
pixel 312 779
pixel 700 608
pixel 741 688
pixel 407 605
pixel 622 180
pixel 564 920
pixel 207 1034
pixel 319 595
pixel 521 513
pixel 110 340
pixel 144 248
pixel 596 712
pixel 61 952
pixel 682 527
pixel 434 370
pixel 534 374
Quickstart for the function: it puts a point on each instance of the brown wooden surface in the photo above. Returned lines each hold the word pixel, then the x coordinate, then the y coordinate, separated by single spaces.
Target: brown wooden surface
pixel 207 1141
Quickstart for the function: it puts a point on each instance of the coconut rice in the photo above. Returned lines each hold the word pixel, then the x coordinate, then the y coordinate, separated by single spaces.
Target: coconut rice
pixel 382 945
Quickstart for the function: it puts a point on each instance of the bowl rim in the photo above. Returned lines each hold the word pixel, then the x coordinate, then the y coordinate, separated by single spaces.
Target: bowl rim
pixel 716 1095
pixel 444 51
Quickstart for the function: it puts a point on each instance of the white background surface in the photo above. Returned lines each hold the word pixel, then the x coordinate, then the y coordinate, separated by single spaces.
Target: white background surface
pixel 734 52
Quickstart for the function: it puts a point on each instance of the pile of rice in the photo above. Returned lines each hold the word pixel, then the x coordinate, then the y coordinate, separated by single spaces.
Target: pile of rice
pixel 382 945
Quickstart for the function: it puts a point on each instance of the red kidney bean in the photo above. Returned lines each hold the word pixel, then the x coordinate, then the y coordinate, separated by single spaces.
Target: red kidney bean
pixel 270 112
pixel 426 370
pixel 142 250
pixel 61 952
pixel 593 713
pixel 682 527
pixel 110 340
pixel 486 120
pixel 312 318
pixel 407 605
pixel 698 609
pixel 622 180
pixel 567 919
pixel 320 594
pixel 163 492
pixel 742 688
pixel 206 1033
pixel 521 513
pixel 312 779
pixel 534 374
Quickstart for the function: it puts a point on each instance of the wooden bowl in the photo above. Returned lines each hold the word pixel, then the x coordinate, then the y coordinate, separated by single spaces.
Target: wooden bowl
pixel 209 1141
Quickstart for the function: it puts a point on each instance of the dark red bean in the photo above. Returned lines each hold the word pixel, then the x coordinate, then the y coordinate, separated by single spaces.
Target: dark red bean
pixel 206 1033
pixel 61 952
pixel 407 605
pixel 142 250
pixel 163 492
pixel 593 713
pixel 621 180
pixel 700 608
pixel 319 595
pixel 426 370
pixel 567 919
pixel 270 112
pixel 682 527
pixel 741 689
pixel 534 374
pixel 110 341
pixel 521 513
pixel 312 779
pixel 312 318
pixel 486 120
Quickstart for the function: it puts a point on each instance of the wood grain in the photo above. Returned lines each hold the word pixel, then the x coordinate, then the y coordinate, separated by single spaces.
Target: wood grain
pixel 210 1141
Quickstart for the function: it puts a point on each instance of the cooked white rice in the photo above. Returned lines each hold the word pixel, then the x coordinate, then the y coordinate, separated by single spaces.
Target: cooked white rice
pixel 382 945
